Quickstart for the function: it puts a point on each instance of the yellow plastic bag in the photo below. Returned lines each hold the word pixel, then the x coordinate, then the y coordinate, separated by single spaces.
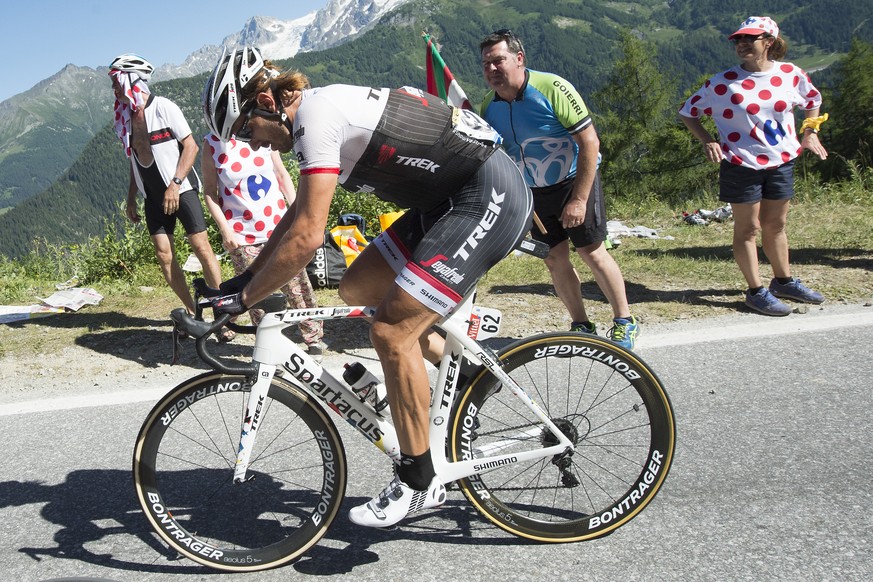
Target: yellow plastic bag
pixel 386 219
pixel 350 240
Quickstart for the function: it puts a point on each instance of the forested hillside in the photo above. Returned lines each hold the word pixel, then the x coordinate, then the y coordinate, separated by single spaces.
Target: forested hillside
pixel 43 131
pixel 578 39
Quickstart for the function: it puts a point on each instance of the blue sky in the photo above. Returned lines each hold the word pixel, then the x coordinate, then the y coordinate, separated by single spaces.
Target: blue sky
pixel 40 37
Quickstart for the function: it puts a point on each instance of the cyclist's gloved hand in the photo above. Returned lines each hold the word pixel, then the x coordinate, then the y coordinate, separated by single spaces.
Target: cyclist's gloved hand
pixel 232 304
pixel 236 284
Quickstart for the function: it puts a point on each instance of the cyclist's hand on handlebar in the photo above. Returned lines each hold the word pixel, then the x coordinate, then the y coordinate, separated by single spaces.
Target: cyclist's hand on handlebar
pixel 236 284
pixel 231 304
pixel 229 287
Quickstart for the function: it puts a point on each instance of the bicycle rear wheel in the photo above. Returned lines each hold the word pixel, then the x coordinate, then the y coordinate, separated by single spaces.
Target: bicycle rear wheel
pixel 607 401
pixel 183 471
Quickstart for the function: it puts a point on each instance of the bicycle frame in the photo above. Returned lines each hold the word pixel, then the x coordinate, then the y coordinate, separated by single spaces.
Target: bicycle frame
pixel 274 351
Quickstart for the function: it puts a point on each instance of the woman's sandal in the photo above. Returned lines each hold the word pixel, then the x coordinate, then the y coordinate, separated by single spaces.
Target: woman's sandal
pixel 225 335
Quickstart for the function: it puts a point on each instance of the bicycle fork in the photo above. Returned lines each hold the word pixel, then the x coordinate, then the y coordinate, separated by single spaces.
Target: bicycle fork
pixel 251 420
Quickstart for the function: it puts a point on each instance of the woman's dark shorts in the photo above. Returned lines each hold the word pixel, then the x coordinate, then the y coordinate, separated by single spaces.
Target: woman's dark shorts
pixel 742 185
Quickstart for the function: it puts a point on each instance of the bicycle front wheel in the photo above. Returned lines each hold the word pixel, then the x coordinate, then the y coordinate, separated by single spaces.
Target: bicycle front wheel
pixel 610 405
pixel 183 471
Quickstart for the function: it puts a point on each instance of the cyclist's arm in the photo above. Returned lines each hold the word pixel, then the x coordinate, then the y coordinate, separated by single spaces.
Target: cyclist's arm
pixel 286 184
pixel 297 236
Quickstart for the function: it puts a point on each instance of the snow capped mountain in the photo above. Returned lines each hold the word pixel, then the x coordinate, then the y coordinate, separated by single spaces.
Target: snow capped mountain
pixel 281 39
pixel 342 19
pixel 75 103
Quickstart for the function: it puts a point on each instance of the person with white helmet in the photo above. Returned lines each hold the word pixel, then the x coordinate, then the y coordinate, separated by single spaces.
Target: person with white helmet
pixel 468 207
pixel 162 151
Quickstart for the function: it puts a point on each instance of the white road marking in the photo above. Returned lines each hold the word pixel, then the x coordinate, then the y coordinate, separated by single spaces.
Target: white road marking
pixel 760 327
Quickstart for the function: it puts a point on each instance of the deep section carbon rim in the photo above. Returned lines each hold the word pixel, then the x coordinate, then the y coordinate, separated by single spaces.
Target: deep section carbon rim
pixel 183 471
pixel 605 400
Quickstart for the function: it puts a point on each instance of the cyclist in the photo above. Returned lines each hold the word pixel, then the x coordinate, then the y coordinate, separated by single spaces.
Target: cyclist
pixel 468 207
pixel 550 135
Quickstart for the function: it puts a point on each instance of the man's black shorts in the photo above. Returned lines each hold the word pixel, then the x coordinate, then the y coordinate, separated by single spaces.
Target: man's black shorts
pixel 190 214
pixel 549 203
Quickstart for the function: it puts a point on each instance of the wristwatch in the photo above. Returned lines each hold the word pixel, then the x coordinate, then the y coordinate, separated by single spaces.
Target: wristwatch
pixel 177 180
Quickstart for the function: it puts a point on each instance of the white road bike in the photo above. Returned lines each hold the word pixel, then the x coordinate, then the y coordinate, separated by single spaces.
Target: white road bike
pixel 559 437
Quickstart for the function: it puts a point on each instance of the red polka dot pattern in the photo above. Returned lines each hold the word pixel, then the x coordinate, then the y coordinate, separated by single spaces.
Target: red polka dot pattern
pixel 754 112
pixel 251 203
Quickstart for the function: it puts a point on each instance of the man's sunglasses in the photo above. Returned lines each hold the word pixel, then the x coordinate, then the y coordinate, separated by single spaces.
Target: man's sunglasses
pixel 510 37
pixel 244 134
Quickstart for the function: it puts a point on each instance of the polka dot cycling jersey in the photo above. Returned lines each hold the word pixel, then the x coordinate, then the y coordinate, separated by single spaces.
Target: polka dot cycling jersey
pixel 249 194
pixel 754 112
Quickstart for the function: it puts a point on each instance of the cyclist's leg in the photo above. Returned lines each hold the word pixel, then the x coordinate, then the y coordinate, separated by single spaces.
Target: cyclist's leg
pixel 400 320
pixel 445 250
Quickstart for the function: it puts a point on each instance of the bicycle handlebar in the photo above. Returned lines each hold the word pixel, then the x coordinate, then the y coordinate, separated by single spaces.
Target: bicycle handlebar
pixel 201 330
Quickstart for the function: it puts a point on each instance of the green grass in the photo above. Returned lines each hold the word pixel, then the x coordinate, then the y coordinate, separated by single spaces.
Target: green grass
pixel 830 231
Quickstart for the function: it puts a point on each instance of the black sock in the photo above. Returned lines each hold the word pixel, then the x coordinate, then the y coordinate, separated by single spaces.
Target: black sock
pixel 754 290
pixel 416 471
pixel 784 280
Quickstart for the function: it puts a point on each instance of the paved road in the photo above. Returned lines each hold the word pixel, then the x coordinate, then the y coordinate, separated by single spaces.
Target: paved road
pixel 771 480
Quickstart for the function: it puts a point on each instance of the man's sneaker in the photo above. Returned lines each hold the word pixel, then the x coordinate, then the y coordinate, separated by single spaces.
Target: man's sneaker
pixel 583 327
pixel 764 302
pixel 794 289
pixel 624 332
pixel 396 502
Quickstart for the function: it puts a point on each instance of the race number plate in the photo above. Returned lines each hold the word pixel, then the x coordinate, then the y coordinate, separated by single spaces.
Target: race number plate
pixel 484 323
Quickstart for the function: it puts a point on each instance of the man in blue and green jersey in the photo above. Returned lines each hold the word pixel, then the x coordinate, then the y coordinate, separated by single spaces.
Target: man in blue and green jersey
pixel 548 131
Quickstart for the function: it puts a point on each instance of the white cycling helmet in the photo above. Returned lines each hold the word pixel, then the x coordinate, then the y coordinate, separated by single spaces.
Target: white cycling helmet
pixel 222 104
pixel 132 63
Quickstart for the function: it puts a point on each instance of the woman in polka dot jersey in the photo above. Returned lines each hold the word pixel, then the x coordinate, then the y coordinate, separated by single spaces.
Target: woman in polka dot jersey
pixel 247 192
pixel 752 105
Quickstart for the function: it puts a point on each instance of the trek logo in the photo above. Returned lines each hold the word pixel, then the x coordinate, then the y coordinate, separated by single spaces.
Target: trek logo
pixel 438 267
pixel 483 227
pixel 160 136
pixel 422 163
pixel 385 154
pixel 257 417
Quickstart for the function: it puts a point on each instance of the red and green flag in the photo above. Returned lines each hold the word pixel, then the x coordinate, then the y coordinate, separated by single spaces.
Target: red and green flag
pixel 440 80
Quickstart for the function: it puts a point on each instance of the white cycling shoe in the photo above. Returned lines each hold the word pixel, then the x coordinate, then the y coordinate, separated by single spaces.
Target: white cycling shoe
pixel 397 501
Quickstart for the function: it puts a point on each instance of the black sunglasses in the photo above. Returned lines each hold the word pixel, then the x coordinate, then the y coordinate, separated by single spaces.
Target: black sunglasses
pixel 245 132
pixel 747 38
pixel 510 38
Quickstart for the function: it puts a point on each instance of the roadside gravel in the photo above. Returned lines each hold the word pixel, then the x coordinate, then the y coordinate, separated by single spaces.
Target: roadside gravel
pixel 115 361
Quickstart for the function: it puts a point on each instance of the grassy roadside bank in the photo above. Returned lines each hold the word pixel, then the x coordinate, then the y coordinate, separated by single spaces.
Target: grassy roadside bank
pixel 691 276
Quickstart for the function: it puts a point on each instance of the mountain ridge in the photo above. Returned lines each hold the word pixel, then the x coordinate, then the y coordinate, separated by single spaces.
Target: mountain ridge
pixel 29 118
pixel 688 44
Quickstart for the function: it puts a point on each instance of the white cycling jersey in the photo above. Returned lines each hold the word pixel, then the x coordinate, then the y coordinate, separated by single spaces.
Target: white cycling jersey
pixel 167 128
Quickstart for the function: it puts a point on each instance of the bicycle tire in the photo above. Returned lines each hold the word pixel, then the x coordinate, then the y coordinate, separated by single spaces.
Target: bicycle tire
pixel 611 405
pixel 183 473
